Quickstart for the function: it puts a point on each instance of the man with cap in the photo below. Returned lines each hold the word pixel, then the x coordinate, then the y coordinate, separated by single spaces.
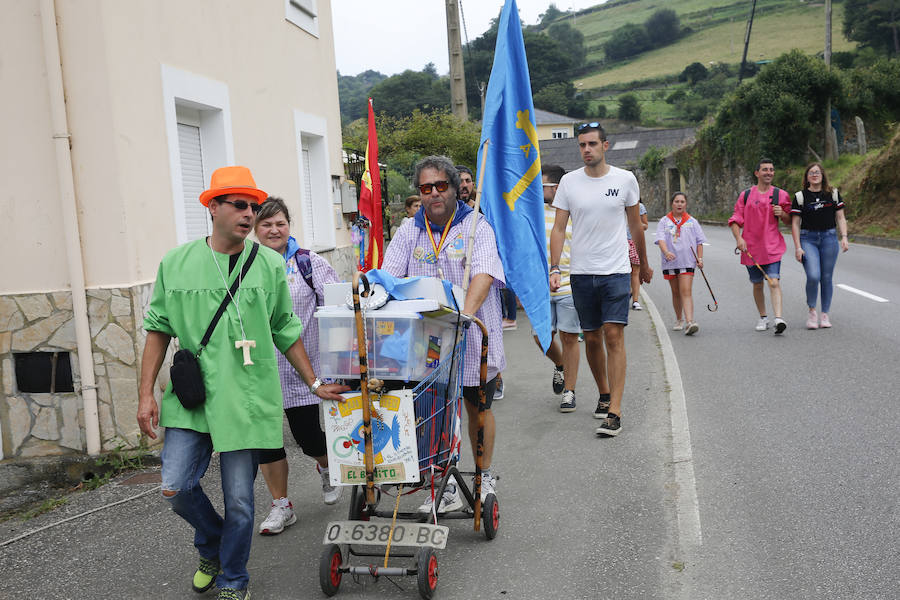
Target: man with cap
pixel 242 410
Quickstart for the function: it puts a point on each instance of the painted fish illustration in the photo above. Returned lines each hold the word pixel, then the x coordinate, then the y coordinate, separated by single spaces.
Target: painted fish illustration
pixel 381 436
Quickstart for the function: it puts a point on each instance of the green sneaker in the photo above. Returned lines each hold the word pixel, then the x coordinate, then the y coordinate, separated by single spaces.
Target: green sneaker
pixel 205 577
pixel 233 594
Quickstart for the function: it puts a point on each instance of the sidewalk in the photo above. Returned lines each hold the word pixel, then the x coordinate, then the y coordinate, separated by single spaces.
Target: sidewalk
pixel 581 516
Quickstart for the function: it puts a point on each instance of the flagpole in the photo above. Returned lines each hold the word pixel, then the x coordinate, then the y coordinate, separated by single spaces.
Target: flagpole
pixel 471 243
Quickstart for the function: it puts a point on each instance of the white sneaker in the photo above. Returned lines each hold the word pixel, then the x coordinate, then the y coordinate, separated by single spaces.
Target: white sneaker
pixel 678 326
pixel 691 328
pixel 451 500
pixel 636 306
pixel 279 518
pixel 763 324
pixel 780 325
pixel 488 485
pixel 330 493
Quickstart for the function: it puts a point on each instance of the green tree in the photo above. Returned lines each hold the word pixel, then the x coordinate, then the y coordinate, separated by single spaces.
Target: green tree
pixel 570 40
pixel 629 109
pixel 401 94
pixel 627 40
pixel 693 73
pixel 872 92
pixel 547 62
pixel 553 98
pixel 561 98
pixel 663 27
pixel 551 14
pixel 874 24
pixel 776 114
pixel 353 90
pixel 404 140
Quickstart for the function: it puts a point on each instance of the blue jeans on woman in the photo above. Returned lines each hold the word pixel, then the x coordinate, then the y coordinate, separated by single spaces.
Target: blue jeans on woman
pixel 820 252
pixel 185 458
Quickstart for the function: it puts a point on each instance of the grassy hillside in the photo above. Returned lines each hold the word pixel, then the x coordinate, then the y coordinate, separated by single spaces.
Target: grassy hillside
pixel 718 34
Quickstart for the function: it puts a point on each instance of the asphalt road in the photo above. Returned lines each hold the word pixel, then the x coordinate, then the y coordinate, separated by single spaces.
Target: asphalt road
pixel 581 517
pixel 795 438
pixel 768 469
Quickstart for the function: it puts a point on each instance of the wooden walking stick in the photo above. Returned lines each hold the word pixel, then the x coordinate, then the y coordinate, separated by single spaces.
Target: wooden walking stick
pixel 761 270
pixel 707 282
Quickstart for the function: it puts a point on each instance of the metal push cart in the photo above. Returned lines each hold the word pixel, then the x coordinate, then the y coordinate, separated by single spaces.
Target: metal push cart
pixel 437 403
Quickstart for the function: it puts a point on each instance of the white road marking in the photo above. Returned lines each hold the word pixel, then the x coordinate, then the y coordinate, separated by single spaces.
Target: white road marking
pixel 848 288
pixel 686 503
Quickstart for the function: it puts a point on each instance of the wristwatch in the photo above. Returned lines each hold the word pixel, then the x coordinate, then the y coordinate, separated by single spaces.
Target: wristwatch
pixel 315 385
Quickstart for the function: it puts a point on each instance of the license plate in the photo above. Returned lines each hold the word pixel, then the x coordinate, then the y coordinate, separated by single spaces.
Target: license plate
pixel 377 534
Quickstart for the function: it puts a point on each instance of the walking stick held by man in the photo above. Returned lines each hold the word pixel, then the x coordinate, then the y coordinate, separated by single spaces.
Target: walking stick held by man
pixel 761 270
pixel 707 282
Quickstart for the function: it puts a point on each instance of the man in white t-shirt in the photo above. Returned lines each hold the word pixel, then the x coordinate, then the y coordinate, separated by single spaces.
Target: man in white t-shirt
pixel 594 197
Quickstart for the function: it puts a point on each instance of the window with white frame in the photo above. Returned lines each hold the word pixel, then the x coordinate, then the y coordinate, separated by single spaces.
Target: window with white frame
pixel 304 14
pixel 560 133
pixel 198 128
pixel 313 169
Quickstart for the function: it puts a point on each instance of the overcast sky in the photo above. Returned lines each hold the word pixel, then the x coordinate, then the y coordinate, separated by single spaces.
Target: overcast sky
pixel 391 36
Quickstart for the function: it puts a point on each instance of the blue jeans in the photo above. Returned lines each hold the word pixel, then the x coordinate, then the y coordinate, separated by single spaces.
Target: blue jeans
pixel 601 299
pixel 820 252
pixel 508 304
pixel 185 458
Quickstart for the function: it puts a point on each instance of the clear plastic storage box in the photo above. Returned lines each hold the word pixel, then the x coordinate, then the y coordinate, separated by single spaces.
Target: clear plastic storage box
pixel 403 344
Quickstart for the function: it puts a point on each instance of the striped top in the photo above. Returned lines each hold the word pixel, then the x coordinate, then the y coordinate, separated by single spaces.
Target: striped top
pixel 305 299
pixel 410 254
pixel 564 259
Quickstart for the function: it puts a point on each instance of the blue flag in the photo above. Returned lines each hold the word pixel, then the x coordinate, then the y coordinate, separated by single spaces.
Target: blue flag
pixel 511 192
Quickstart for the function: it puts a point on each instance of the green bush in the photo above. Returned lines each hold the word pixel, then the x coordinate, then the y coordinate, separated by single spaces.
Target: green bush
pixel 775 114
pixel 676 97
pixel 652 161
pixel 629 109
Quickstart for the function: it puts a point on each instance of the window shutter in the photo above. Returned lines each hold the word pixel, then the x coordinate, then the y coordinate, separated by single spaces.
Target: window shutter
pixel 308 198
pixel 196 215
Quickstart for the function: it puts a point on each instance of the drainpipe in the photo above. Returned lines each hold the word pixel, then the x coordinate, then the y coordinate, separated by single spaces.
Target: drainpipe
pixel 69 213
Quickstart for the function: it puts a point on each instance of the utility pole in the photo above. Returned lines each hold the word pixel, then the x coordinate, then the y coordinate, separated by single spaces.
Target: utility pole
pixel 457 74
pixel 830 140
pixel 746 43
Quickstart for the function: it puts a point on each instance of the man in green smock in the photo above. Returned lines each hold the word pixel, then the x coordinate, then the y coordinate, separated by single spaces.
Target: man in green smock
pixel 243 407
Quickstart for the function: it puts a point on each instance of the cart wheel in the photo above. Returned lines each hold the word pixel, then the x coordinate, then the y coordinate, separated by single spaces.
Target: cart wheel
pixel 427 572
pixel 330 569
pixel 358 510
pixel 490 516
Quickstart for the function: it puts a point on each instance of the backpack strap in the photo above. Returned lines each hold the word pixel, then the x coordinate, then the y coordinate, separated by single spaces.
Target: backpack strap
pixel 776 195
pixel 744 195
pixel 304 264
pixel 799 197
pixel 835 197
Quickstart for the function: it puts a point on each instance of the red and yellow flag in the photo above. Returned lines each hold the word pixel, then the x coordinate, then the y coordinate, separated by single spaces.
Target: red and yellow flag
pixel 370 198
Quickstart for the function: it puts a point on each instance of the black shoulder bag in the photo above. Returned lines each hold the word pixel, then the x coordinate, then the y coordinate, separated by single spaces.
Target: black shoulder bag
pixel 186 374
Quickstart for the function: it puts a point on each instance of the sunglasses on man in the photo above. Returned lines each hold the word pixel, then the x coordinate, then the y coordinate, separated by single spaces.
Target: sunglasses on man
pixel 242 205
pixel 440 186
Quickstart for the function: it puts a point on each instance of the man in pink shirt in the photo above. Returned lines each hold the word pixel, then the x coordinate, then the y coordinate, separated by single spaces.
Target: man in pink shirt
pixel 754 224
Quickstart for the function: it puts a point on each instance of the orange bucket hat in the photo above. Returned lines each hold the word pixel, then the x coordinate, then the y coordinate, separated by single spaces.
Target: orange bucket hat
pixel 232 180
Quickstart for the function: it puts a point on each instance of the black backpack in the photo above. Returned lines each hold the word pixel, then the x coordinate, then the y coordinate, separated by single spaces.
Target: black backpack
pixel 776 193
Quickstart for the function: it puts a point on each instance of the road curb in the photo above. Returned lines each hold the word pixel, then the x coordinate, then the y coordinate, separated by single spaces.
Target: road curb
pixel 687 506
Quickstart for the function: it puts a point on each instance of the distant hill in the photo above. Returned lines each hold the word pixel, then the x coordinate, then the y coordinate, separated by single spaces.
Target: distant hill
pixel 715 33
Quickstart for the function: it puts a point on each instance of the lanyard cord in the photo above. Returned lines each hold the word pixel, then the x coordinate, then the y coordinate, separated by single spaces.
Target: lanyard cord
pixel 228 290
pixel 437 247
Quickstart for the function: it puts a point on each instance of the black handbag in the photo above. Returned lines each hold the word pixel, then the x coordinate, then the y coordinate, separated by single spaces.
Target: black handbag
pixel 185 373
